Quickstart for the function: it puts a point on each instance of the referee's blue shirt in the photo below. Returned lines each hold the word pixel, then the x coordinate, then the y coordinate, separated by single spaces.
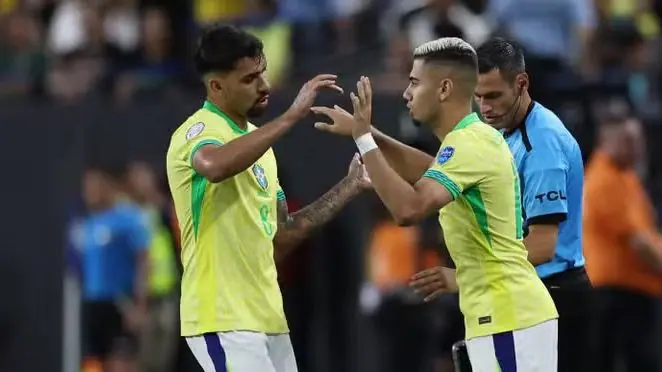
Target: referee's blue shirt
pixel 109 243
pixel 551 173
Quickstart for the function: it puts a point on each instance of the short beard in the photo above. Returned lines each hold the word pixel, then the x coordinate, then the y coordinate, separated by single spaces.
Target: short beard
pixel 255 112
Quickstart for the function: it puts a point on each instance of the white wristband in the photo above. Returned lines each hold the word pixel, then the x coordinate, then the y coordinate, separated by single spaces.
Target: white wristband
pixel 365 143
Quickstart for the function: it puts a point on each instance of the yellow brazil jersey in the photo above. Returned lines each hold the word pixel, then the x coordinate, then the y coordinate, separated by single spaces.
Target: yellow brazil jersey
pixel 499 289
pixel 229 280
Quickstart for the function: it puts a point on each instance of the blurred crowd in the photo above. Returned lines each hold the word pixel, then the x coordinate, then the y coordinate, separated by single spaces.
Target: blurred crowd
pixel 127 51
pixel 123 249
pixel 69 49
pixel 124 241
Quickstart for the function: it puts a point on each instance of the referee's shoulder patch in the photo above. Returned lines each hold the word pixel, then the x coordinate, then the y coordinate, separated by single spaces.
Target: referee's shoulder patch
pixel 195 130
pixel 445 154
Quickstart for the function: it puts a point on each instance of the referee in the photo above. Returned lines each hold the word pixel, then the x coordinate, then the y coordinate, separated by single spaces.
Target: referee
pixel 551 173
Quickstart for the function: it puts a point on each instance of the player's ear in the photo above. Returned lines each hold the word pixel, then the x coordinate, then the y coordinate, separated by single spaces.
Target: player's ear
pixel 213 84
pixel 522 82
pixel 445 89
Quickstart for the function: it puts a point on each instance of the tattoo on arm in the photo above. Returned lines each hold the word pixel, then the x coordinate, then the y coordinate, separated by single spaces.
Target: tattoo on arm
pixel 295 228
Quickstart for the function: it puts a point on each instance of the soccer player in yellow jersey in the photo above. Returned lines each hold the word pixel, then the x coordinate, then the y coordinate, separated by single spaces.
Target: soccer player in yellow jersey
pixel 510 318
pixel 232 212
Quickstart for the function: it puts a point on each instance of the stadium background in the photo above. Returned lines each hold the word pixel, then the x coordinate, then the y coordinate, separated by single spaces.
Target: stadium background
pixel 80 85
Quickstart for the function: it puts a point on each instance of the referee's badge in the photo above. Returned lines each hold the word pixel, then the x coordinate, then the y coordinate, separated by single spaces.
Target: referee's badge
pixel 445 154
pixel 260 176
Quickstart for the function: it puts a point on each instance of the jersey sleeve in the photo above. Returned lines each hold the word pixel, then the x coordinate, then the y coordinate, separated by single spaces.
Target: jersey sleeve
pixel 456 166
pixel 544 178
pixel 199 134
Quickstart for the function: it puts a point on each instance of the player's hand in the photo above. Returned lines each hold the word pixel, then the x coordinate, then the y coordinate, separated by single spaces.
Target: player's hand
pixel 306 97
pixel 342 121
pixel 357 173
pixel 362 103
pixel 433 282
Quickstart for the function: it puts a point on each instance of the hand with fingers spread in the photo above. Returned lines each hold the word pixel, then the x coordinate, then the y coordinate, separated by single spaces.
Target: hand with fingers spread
pixel 433 282
pixel 342 122
pixel 362 103
pixel 306 97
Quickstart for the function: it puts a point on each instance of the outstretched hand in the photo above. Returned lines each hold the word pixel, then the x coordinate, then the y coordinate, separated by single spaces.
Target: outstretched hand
pixel 308 93
pixel 362 103
pixel 342 122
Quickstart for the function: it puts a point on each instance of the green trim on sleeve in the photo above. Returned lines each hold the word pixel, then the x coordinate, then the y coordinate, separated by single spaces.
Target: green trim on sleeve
pixel 442 179
pixel 199 145
pixel 280 195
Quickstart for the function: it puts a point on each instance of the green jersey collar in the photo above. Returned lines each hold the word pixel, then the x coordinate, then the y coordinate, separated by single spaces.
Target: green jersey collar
pixel 467 120
pixel 213 108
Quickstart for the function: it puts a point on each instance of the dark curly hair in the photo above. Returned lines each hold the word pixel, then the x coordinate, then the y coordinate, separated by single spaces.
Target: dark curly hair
pixel 220 46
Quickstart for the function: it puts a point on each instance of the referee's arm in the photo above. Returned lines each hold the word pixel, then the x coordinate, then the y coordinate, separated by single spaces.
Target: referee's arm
pixel 544 203
pixel 541 239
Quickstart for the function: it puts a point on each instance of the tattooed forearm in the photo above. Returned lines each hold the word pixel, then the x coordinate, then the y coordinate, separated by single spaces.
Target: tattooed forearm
pixel 294 228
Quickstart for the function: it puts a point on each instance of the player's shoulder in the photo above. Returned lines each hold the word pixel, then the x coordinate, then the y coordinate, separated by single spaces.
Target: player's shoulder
pixel 471 142
pixel 477 134
pixel 199 122
pixel 543 119
pixel 544 127
pixel 199 119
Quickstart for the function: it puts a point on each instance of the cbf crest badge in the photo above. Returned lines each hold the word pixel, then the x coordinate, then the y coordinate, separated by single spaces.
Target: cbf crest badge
pixel 260 176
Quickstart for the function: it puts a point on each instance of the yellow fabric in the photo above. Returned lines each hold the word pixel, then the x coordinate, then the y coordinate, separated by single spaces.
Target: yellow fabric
pixel 163 272
pixel 499 289
pixel 7 6
pixel 623 8
pixel 647 22
pixel 276 38
pixel 229 281
pixel 206 11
